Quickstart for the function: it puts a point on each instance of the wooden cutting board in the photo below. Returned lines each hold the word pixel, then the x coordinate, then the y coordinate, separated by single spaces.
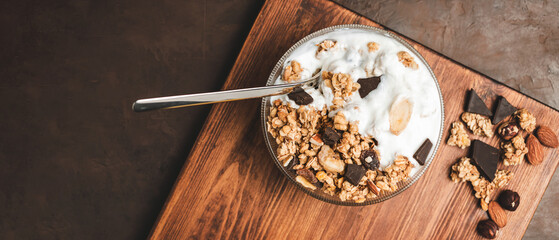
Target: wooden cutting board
pixel 230 188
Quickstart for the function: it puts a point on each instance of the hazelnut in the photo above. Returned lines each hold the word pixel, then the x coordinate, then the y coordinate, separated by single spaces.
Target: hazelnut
pixel 487 229
pixel 509 200
pixel 508 130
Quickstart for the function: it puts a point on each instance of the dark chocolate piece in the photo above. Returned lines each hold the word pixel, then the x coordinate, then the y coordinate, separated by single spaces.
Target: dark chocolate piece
pixel 354 173
pixel 292 163
pixel 299 96
pixel 308 174
pixel 486 158
pixel 423 151
pixel 318 184
pixel 372 163
pixel 476 105
pixel 367 85
pixel 503 110
pixel 330 136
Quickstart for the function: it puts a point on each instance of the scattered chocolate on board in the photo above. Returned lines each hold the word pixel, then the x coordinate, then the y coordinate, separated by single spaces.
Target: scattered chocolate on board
pixel 354 173
pixel 486 158
pixel 368 85
pixel 503 110
pixel 299 96
pixel 369 159
pixel 476 105
pixel 330 136
pixel 423 151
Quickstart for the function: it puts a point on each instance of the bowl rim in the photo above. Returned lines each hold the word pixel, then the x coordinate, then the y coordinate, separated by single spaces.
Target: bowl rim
pixel 402 185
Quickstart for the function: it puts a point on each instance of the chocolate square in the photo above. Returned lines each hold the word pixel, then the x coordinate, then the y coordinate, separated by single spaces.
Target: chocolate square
pixel 421 154
pixel 503 110
pixel 476 105
pixel 300 97
pixel 486 158
pixel 374 164
pixel 367 85
pixel 330 136
pixel 354 173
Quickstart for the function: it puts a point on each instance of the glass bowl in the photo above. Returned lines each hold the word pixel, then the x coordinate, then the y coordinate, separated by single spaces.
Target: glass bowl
pixel 272 146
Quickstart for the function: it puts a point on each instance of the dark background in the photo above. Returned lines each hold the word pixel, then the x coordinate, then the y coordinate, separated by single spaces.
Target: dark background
pixel 77 163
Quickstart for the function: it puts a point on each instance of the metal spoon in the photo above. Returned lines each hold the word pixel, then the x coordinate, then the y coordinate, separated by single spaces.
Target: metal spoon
pixel 220 96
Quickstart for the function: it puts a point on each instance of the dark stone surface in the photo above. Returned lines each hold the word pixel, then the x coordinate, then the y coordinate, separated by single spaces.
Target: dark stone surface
pixel 76 162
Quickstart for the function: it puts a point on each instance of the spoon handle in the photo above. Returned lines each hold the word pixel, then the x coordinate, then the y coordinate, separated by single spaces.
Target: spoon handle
pixel 213 97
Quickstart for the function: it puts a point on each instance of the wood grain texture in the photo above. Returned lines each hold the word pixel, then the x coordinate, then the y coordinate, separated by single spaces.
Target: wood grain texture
pixel 230 188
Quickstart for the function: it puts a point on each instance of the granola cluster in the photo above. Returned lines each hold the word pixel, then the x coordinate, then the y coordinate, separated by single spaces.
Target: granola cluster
pixel 302 148
pixel 372 46
pixel 325 45
pixel 479 124
pixel 526 120
pixel 407 59
pixel 458 136
pixel 463 171
pixel 342 86
pixel 292 72
pixel 514 150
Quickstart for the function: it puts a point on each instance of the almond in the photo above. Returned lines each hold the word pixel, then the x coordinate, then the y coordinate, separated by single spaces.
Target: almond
pixel 497 214
pixel 535 150
pixel 372 187
pixel 399 116
pixel 547 137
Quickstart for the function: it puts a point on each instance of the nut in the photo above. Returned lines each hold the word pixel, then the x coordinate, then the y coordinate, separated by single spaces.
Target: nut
pixel 303 181
pixel 547 137
pixel 372 187
pixel 509 200
pixel 497 214
pixel 329 160
pixel 535 150
pixel 307 174
pixel 487 229
pixel 508 130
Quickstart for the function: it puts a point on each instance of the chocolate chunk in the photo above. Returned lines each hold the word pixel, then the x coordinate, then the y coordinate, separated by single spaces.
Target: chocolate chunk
pixel 292 163
pixel 423 151
pixel 308 174
pixel 503 110
pixel 367 85
pixel 299 96
pixel 318 185
pixel 369 159
pixel 330 136
pixel 375 141
pixel 354 173
pixel 476 105
pixel 486 158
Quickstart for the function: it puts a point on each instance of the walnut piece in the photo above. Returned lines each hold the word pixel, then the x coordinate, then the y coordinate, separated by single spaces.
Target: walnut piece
pixel 463 171
pixel 406 59
pixel 373 46
pixel 514 150
pixel 479 124
pixel 292 72
pixel 458 136
pixel 526 120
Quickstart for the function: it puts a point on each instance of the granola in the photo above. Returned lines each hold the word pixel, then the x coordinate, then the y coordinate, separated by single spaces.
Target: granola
pixel 479 124
pixel 342 86
pixel 406 59
pixel 325 45
pixel 514 150
pixel 463 171
pixel 526 120
pixel 372 46
pixel 458 136
pixel 292 72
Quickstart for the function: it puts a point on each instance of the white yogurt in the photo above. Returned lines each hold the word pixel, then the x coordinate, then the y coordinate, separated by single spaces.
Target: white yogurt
pixel 350 55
